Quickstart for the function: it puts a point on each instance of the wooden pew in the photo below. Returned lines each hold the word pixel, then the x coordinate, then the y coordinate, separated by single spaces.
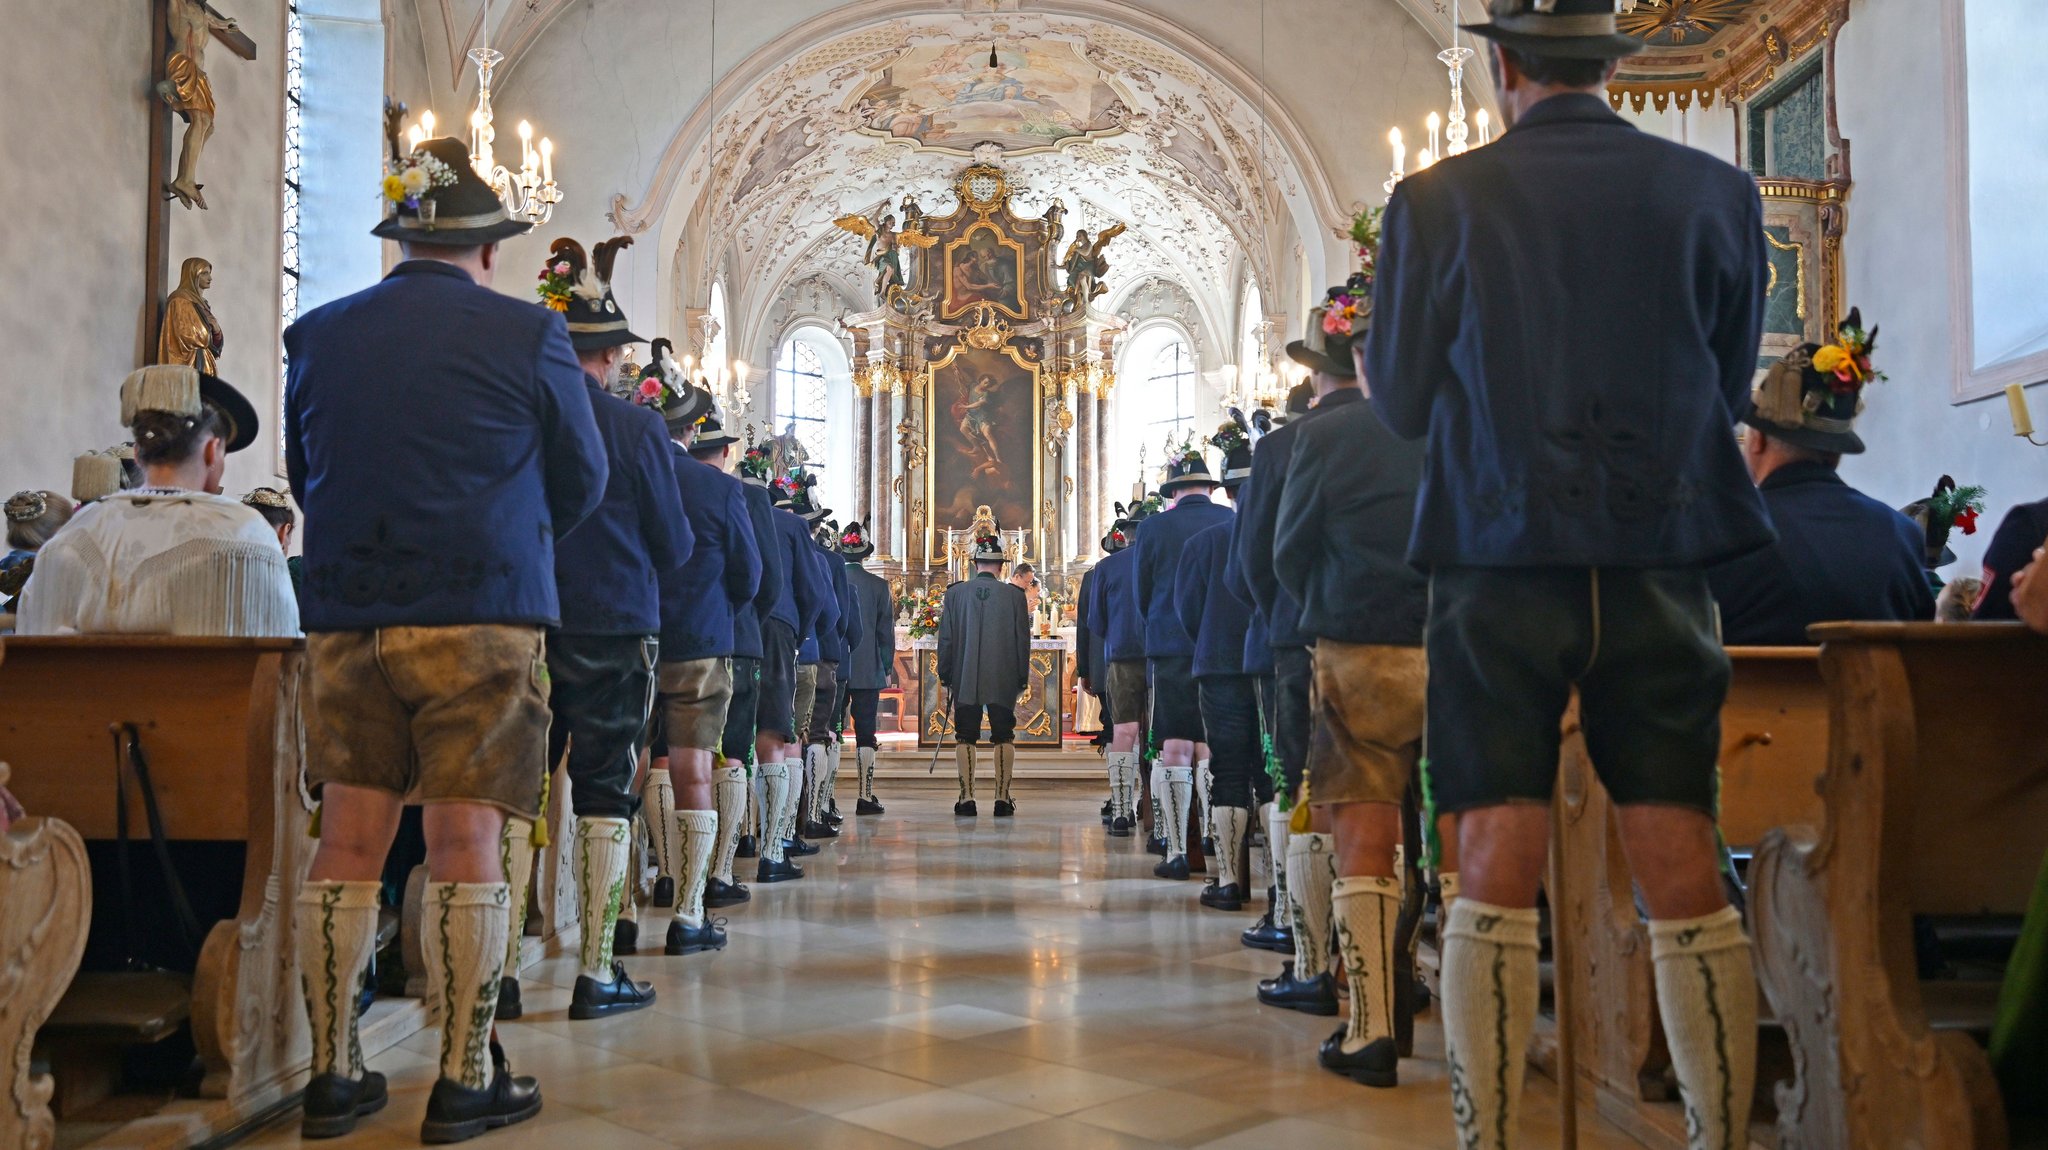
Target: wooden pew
pixel 46 889
pixel 1936 803
pixel 219 722
pixel 1774 743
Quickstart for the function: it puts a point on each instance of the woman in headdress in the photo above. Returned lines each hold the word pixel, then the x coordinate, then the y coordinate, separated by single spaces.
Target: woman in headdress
pixel 32 518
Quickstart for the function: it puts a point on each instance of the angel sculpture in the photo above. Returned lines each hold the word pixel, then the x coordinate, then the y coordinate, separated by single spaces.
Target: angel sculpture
pixel 885 243
pixel 1085 266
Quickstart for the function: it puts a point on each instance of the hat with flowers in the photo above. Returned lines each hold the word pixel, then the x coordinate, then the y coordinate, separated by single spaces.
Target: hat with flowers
pixel 580 287
pixel 855 543
pixel 1812 396
pixel 1949 509
pixel 1186 467
pixel 988 548
pixel 1234 440
pixel 1344 316
pixel 434 196
pixel 757 467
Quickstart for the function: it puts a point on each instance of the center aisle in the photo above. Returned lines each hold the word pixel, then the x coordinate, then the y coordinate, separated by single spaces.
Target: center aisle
pixel 936 982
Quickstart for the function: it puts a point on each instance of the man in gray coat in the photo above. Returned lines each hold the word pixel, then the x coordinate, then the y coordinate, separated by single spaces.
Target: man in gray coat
pixel 984 663
pixel 871 666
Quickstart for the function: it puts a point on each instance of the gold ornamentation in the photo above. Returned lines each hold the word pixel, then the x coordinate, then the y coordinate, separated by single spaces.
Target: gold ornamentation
pixel 1798 251
pixel 864 382
pixel 911 440
pixel 983 188
pixel 989 331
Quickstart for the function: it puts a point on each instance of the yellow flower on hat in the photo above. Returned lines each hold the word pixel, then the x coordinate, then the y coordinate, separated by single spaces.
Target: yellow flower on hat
pixel 1830 359
pixel 394 189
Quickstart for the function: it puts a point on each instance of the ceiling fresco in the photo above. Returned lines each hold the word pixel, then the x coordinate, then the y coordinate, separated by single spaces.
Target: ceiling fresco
pixel 1038 94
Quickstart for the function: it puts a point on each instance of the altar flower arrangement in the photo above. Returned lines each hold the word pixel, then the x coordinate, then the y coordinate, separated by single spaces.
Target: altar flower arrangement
pixel 1848 358
pixel 924 619
pixel 416 176
pixel 557 284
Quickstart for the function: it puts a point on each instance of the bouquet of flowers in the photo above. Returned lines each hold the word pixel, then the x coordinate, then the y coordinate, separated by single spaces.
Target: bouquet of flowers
pixel 1365 236
pixel 756 464
pixel 1848 358
pixel 1348 308
pixel 924 618
pixel 1231 436
pixel 557 284
pixel 415 176
pixel 1958 506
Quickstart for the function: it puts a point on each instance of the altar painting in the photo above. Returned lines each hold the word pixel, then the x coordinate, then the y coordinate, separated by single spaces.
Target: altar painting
pixel 984 266
pixel 983 417
pixel 1041 92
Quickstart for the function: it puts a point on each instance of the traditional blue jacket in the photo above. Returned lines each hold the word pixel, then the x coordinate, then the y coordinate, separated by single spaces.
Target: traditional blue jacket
pixel 1571 316
pixel 1159 548
pixel 1258 640
pixel 1114 614
pixel 608 569
pixel 873 655
pixel 746 624
pixel 1258 518
pixel 2011 549
pixel 1840 556
pixel 1206 608
pixel 1090 664
pixel 801 598
pixel 833 639
pixel 701 599
pixel 438 439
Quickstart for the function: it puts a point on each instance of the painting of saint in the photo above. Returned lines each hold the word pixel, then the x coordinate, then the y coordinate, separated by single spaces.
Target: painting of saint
pixel 982 437
pixel 946 97
pixel 983 270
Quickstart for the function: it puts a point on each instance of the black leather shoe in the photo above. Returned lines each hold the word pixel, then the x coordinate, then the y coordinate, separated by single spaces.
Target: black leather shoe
pixel 594 999
pixel 747 848
pixel 718 892
pixel 784 871
pixel 626 937
pixel 867 807
pixel 798 848
pixel 1376 1065
pixel 455 1113
pixel 824 830
pixel 1263 935
pixel 664 892
pixel 1208 845
pixel 1226 896
pixel 334 1102
pixel 692 939
pixel 833 816
pixel 1156 845
pixel 964 810
pixel 1005 809
pixel 1107 813
pixel 1175 868
pixel 509 1008
pixel 1119 828
pixel 1316 995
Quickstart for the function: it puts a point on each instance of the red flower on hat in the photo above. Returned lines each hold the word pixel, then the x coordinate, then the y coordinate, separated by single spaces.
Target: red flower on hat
pixel 1966 520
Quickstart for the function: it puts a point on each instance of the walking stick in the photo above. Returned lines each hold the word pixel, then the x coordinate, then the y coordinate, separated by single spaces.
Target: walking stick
pixel 938 741
pixel 1561 983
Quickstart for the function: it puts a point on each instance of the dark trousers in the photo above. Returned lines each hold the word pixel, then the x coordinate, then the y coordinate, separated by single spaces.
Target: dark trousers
pixel 737 743
pixel 827 704
pixel 1293 671
pixel 1002 723
pixel 1230 717
pixel 1262 779
pixel 867 709
pixel 602 690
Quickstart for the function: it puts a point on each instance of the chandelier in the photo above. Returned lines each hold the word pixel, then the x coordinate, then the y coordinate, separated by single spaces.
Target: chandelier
pixel 530 193
pixel 1444 140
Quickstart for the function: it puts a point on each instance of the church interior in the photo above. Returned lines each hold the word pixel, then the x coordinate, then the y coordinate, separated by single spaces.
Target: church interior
pixel 997 322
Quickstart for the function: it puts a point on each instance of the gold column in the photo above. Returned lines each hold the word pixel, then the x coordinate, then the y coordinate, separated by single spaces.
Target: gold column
pixel 864 446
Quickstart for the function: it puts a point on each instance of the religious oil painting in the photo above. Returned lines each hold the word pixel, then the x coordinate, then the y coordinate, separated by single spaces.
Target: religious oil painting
pixel 984 266
pixel 984 411
pixel 1040 94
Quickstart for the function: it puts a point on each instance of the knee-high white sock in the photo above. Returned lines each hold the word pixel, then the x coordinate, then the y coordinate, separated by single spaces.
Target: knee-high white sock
pixel 757 801
pixel 1158 781
pixel 658 811
pixel 774 779
pixel 1447 885
pixel 1364 909
pixel 1180 795
pixel 1231 824
pixel 1123 784
pixel 1205 787
pixel 1006 770
pixel 1706 995
pixel 335 925
pixel 792 795
pixel 963 762
pixel 1276 862
pixel 464 947
pixel 696 834
pixel 729 792
pixel 601 873
pixel 864 764
pixel 1311 872
pixel 516 852
pixel 832 753
pixel 1490 990
pixel 817 764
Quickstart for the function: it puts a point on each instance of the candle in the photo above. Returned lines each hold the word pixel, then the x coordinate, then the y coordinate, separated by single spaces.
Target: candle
pixel 1400 151
pixel 427 124
pixel 1436 123
pixel 414 137
pixel 1485 127
pixel 2016 400
pixel 547 160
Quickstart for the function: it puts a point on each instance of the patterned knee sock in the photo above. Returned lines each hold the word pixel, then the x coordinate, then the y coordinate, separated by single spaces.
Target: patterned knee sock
pixel 1276 863
pixel 1447 886
pixel 817 765
pixel 832 754
pixel 335 924
pixel 1706 995
pixel 864 764
pixel 1123 784
pixel 1490 989
pixel 464 948
pixel 1006 770
pixel 658 811
pixel 792 795
pixel 696 835
pixel 1231 823
pixel 1365 909
pixel 1205 787
pixel 516 852
pixel 1158 781
pixel 729 791
pixel 602 881
pixel 774 796
pixel 1311 872
pixel 963 762
pixel 1180 794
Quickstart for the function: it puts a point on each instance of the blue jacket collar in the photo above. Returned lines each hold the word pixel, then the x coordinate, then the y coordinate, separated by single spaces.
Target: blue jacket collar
pixel 1339 398
pixel 427 268
pixel 1805 471
pixel 1192 498
pixel 1570 108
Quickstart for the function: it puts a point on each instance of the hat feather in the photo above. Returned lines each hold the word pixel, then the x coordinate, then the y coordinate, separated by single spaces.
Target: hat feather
pixel 606 254
pixel 171 388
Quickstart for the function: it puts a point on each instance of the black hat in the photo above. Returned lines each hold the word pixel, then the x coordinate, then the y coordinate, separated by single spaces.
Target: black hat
pixel 1188 469
pixel 988 549
pixel 181 390
pixel 803 502
pixel 712 432
pixel 757 467
pixel 1121 533
pixel 580 287
pixel 1940 514
pixel 1574 29
pixel 446 203
pixel 854 542
pixel 1343 318
pixel 1812 396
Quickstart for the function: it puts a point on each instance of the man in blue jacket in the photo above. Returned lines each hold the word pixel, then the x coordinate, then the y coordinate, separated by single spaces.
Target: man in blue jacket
pixel 439 439
pixel 1571 316
pixel 1091 665
pixel 1169 650
pixel 871 659
pixel 601 660
pixel 799 602
pixel 818 649
pixel 700 602
pixel 1114 615
pixel 733 790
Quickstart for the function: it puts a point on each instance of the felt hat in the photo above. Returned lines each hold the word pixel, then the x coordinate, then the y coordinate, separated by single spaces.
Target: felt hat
pixel 434 196
pixel 1811 397
pixel 1188 469
pixel 1940 514
pixel 1574 29
pixel 1344 316
pixel 988 549
pixel 579 285
pixel 176 389
pixel 1122 533
pixel 757 467
pixel 1234 440
pixel 855 543
pixel 712 431
pixel 803 499
pixel 94 476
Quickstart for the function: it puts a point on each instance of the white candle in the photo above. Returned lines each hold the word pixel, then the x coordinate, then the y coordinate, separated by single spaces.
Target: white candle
pixel 1485 126
pixel 427 123
pixel 2016 401
pixel 1436 124
pixel 1400 152
pixel 547 160
pixel 413 137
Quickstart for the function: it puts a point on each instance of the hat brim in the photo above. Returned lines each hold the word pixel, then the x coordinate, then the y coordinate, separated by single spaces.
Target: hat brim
pixel 684 416
pixel 1614 47
pixel 1302 354
pixel 860 552
pixel 815 515
pixel 713 440
pixel 236 407
pixel 391 229
pixel 1833 442
pixel 599 340
pixel 1189 481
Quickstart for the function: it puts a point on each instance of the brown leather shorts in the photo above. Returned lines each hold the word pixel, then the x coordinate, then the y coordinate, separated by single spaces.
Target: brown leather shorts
pixel 438 714
pixel 1127 691
pixel 694 696
pixel 1367 721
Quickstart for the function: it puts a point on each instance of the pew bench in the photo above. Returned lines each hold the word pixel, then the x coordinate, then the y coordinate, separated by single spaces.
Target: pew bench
pixel 47 893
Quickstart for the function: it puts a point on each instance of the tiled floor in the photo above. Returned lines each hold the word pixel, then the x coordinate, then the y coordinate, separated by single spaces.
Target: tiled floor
pixel 941 983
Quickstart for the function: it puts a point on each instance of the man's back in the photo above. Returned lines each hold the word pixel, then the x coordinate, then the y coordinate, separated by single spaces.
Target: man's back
pixel 1159 550
pixel 1572 315
pixel 608 568
pixel 438 437
pixel 701 598
pixel 984 642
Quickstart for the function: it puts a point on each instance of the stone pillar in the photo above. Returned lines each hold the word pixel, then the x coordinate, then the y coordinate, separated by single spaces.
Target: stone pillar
pixel 1106 481
pixel 1086 531
pixel 882 431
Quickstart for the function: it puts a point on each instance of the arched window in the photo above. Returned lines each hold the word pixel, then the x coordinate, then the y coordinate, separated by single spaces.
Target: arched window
pixel 1170 392
pixel 800 397
pixel 1158 401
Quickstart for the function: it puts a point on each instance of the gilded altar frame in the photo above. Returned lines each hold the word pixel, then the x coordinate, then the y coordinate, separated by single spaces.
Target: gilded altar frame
pixel 1035 371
